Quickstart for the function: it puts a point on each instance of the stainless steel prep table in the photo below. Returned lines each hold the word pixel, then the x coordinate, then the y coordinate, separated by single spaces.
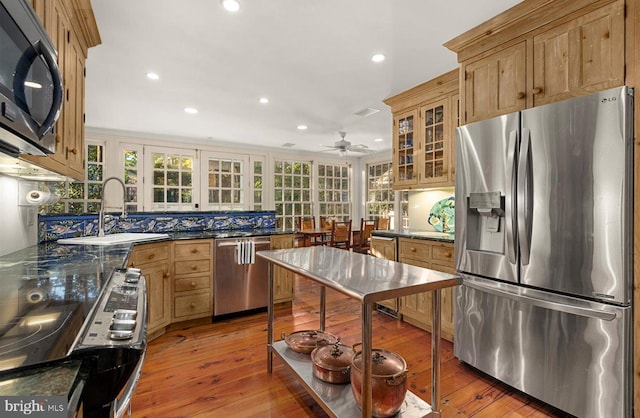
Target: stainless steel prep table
pixel 369 280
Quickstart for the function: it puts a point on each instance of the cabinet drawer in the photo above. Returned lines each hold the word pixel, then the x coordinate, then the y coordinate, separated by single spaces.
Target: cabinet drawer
pixel 192 266
pixel 149 253
pixel 419 263
pixel 192 304
pixel 442 254
pixel 191 283
pixel 414 249
pixel 190 250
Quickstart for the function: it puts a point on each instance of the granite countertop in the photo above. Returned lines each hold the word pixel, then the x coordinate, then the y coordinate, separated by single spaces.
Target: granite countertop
pixel 72 263
pixel 414 233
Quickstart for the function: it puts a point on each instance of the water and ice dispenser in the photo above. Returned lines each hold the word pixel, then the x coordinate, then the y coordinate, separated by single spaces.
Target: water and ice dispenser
pixel 486 222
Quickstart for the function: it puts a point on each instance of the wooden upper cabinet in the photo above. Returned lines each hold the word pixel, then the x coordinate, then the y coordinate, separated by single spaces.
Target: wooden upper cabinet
pixel 540 52
pixel 582 56
pixel 72 29
pixel 496 84
pixel 405 144
pixel 424 120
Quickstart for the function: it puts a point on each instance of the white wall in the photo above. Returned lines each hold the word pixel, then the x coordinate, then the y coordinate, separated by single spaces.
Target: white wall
pixel 18 224
pixel 420 204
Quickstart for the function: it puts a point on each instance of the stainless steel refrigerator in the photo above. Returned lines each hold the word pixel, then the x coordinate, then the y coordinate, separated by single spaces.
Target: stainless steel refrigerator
pixel 544 224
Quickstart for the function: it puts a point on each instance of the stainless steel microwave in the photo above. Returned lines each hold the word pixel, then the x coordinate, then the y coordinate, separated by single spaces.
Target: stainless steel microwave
pixel 30 82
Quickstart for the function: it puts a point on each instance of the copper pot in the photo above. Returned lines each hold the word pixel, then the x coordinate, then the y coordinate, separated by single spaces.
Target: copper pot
pixel 332 362
pixel 388 381
pixel 305 341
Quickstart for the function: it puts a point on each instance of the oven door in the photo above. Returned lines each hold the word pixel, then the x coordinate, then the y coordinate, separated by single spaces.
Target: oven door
pixel 30 82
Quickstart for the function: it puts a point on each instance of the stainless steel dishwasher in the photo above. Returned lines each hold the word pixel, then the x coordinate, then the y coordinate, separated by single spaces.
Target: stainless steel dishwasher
pixel 239 284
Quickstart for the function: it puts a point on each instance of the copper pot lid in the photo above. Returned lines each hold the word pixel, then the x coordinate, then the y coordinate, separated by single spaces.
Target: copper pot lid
pixel 333 356
pixel 383 362
pixel 309 338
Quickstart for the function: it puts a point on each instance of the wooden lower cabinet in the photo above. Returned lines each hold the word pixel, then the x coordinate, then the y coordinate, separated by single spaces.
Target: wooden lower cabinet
pixel 416 309
pixel 154 260
pixel 193 280
pixel 385 247
pixel 283 279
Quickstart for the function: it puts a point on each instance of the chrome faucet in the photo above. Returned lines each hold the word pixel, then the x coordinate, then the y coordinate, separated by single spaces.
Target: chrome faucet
pixel 101 215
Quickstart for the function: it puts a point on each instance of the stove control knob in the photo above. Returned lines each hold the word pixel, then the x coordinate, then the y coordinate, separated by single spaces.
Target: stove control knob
pixel 121 335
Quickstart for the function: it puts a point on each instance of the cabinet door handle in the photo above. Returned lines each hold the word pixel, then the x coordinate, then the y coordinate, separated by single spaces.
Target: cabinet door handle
pixel 193 284
pixel 194 267
pixel 194 250
pixel 276 247
pixel 74 151
pixel 537 90
pixel 521 95
pixel 165 274
pixel 193 305
pixel 413 250
pixel 152 256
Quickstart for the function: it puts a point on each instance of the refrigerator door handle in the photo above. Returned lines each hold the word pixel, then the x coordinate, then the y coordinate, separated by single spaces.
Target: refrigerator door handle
pixel 510 204
pixel 525 191
pixel 545 304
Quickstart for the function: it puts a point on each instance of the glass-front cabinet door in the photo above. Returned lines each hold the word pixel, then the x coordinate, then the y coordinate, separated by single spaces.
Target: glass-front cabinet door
pixel 434 132
pixel 404 152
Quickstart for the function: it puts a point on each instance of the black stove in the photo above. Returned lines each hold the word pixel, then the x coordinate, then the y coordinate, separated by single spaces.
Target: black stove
pixel 100 320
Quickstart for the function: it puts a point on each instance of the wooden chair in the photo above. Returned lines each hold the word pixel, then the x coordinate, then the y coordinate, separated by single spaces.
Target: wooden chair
pixel 305 222
pixel 383 223
pixel 341 234
pixel 364 243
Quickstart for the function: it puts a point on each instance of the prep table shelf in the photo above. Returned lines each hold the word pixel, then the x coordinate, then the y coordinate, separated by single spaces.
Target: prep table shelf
pixel 338 400
pixel 369 280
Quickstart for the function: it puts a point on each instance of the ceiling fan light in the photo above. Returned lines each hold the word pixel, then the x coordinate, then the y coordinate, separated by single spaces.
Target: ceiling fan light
pixel 342 152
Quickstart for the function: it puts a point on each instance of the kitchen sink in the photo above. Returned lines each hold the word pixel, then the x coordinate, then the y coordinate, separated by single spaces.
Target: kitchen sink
pixel 113 239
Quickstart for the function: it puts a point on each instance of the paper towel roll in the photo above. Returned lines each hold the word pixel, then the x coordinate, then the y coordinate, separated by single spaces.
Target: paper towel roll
pixel 38 197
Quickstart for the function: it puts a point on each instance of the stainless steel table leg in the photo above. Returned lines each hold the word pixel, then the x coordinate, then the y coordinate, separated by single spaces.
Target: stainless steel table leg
pixel 270 320
pixel 367 341
pixel 323 300
pixel 435 355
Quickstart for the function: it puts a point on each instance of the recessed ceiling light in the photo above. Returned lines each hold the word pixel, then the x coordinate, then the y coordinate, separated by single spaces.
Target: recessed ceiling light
pixel 191 110
pixel 264 100
pixel 153 76
pixel 378 58
pixel 231 5
pixel 378 140
pixel 302 127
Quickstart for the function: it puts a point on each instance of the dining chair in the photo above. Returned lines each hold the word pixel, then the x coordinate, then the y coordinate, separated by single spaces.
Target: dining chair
pixel 364 243
pixel 341 234
pixel 305 222
pixel 383 223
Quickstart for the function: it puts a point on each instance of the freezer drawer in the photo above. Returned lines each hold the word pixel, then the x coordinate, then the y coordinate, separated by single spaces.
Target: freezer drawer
pixel 571 353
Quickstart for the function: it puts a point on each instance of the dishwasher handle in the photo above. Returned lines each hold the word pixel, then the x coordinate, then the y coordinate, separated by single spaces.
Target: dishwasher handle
pixel 234 242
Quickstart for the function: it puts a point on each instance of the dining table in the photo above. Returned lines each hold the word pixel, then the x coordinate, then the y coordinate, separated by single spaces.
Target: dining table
pixel 312 234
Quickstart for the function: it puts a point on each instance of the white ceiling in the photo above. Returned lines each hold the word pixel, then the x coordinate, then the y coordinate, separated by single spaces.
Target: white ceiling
pixel 312 59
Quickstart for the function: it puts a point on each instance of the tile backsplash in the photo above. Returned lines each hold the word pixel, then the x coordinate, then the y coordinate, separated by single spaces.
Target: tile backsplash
pixel 420 204
pixel 54 227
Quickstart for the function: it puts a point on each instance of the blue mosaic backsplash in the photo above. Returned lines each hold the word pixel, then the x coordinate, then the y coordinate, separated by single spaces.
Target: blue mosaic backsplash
pixel 54 227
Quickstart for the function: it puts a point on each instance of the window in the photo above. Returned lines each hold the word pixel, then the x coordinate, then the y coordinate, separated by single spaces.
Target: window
pixel 292 192
pixel 82 196
pixel 258 176
pixel 380 195
pixel 334 197
pixel 132 156
pixel 225 177
pixel 171 172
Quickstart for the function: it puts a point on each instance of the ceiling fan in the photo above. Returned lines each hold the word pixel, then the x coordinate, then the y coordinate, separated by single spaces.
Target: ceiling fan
pixel 343 146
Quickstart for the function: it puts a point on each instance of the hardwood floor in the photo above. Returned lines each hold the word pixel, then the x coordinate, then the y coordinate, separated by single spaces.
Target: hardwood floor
pixel 219 369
